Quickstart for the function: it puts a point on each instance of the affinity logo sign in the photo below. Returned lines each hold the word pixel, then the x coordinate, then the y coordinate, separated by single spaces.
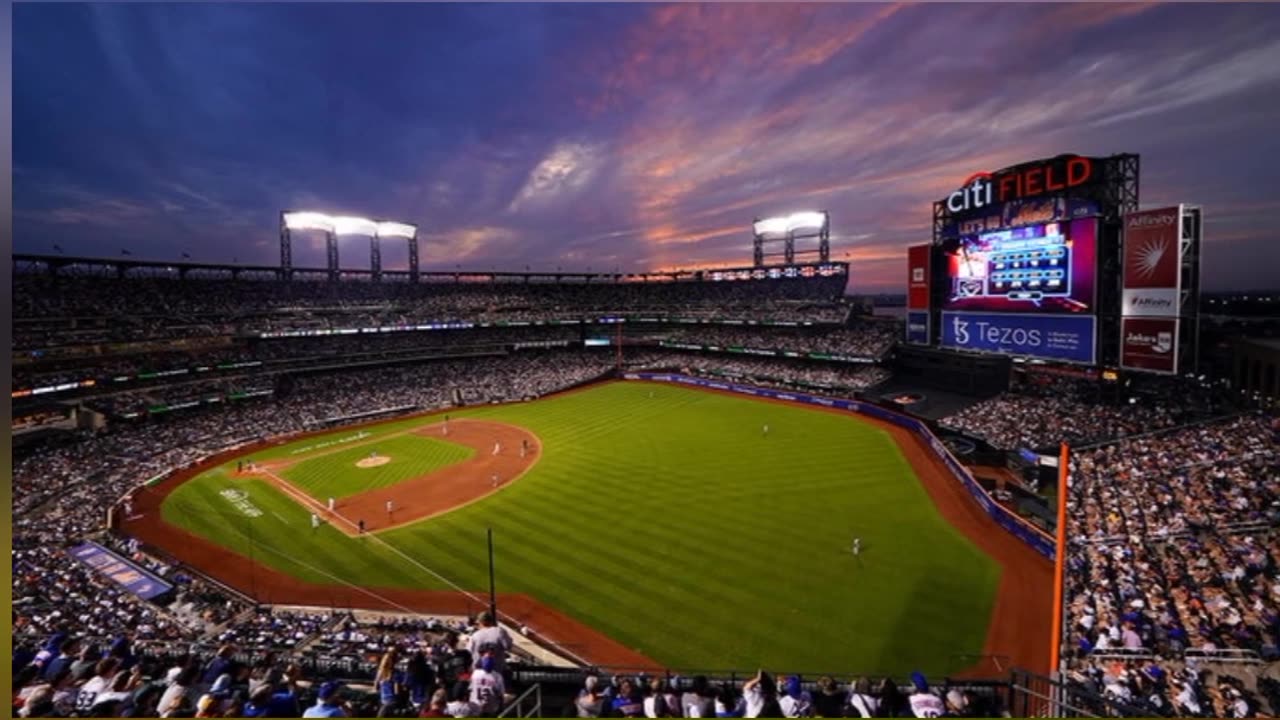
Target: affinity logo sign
pixel 1152 260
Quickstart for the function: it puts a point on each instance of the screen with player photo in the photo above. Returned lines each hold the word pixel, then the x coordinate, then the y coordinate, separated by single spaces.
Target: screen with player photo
pixel 1030 269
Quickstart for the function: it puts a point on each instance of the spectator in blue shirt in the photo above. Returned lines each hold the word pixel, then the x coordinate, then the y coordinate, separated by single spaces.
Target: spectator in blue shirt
pixel 328 702
pixel 628 703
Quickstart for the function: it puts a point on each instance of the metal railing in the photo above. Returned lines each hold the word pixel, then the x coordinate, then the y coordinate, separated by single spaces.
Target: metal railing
pixel 517 708
pixel 1225 655
pixel 1032 695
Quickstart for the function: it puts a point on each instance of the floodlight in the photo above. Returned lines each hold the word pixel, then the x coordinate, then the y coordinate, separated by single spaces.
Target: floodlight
pixel 308 221
pixel 806 220
pixel 354 226
pixel 771 226
pixel 395 229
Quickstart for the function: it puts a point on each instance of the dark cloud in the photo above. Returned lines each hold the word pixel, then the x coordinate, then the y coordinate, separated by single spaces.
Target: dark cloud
pixel 632 136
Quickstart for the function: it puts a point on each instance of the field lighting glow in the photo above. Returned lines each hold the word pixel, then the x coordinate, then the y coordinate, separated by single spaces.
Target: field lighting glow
pixel 308 221
pixel 354 226
pixel 788 223
pixel 395 229
pixel 772 226
pixel 348 225
pixel 802 220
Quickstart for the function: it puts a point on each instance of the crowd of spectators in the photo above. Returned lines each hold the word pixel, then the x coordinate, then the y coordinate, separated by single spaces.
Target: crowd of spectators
pixel 1047 411
pixel 789 374
pixel 767 695
pixel 1173 563
pixel 122 676
pixel 140 308
pixel 867 339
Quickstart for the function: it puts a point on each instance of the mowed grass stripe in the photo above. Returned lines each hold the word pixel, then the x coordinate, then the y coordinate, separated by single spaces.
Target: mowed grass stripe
pixel 272 542
pixel 661 516
pixel 337 475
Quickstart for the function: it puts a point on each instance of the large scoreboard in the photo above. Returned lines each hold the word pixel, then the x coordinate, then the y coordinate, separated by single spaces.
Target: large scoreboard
pixel 1014 263
pixel 1044 268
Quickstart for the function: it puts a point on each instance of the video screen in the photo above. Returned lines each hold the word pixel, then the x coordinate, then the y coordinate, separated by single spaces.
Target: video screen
pixel 1032 269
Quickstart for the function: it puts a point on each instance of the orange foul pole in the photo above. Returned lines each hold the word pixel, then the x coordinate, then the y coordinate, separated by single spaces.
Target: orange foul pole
pixel 1059 558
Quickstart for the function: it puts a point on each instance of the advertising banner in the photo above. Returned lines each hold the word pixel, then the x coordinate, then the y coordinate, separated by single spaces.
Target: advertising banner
pixel 1149 344
pixel 1152 260
pixel 918 276
pixel 918 327
pixel 123 572
pixel 1065 338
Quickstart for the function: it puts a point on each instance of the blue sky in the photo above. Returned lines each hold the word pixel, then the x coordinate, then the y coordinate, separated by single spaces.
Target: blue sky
pixel 629 136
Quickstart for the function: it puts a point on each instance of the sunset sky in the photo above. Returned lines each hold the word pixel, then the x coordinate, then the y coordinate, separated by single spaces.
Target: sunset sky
pixel 629 136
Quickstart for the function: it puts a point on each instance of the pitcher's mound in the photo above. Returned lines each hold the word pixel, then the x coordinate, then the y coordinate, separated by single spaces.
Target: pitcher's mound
pixel 371 462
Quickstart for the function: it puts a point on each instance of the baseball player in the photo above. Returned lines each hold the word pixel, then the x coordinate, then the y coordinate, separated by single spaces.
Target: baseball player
pixel 857 546
pixel 388 507
pixel 497 448
pixel 495 480
pixel 362 527
pixel 330 504
pixel 315 521
pixel 765 432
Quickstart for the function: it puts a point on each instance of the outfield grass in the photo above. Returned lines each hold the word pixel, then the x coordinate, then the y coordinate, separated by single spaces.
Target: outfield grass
pixel 661 516
pixel 332 473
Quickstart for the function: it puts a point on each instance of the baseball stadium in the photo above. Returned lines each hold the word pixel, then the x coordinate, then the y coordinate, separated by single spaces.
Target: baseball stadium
pixel 1040 478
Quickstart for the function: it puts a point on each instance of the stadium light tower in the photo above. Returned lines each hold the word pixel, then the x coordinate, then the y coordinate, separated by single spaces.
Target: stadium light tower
pixel 786 229
pixel 333 226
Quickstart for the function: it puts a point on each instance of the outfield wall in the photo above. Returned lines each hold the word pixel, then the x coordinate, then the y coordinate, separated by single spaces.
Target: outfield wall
pixel 1039 541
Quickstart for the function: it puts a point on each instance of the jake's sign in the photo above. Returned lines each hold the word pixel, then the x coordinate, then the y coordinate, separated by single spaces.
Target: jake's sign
pixel 1043 177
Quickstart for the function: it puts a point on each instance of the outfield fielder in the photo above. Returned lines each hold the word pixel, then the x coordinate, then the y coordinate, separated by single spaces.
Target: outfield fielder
pixel 315 521
pixel 765 431
pixel 857 546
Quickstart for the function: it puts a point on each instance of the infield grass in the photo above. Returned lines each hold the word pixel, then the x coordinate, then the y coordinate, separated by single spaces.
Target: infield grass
pixel 334 473
pixel 663 517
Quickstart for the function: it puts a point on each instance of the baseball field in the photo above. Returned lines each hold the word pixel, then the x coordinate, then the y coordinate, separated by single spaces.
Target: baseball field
pixel 661 516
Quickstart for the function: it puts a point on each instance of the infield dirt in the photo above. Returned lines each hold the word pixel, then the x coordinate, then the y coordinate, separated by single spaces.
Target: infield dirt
pixel 499 460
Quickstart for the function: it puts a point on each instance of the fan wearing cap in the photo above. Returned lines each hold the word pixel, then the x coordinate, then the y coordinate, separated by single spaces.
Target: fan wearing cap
pixel 276 696
pixel 491 639
pixel 487 687
pixel 207 707
pixel 795 701
pixel 328 702
pixel 924 704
